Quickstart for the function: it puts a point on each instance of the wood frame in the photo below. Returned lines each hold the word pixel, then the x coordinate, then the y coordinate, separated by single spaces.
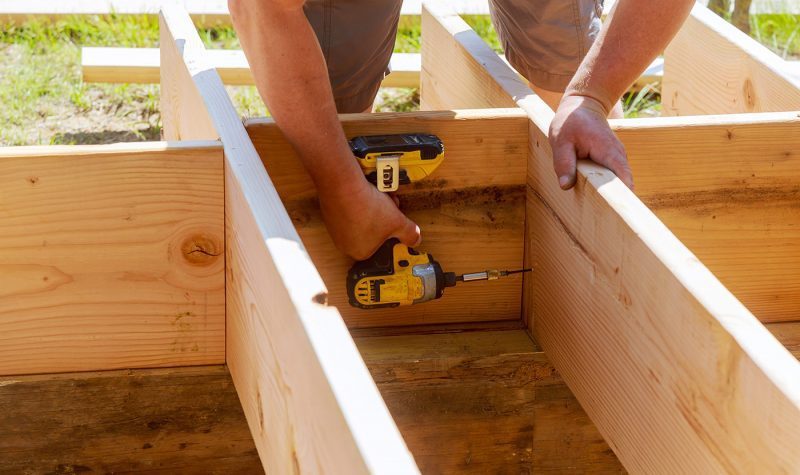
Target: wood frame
pixel 285 347
pixel 641 331
pixel 634 358
pixel 475 199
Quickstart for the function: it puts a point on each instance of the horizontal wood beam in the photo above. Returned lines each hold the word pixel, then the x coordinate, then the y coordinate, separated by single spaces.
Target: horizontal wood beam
pixel 111 256
pixel 179 420
pixel 728 187
pixel 664 359
pixel 477 194
pixel 732 73
pixel 202 12
pixel 484 402
pixel 308 398
pixel 141 65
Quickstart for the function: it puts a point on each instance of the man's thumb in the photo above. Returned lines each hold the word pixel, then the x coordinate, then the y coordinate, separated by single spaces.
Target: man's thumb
pixel 409 234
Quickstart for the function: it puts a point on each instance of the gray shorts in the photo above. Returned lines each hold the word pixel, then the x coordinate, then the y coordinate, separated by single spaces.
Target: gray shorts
pixel 545 40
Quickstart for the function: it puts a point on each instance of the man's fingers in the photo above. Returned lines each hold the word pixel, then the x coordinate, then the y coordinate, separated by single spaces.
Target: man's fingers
pixel 409 234
pixel 615 159
pixel 564 163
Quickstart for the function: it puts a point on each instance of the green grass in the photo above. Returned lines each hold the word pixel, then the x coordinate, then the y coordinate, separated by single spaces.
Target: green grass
pixel 44 100
pixel 780 33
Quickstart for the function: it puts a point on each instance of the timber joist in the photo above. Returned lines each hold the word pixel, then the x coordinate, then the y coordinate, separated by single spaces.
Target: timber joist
pixel 658 332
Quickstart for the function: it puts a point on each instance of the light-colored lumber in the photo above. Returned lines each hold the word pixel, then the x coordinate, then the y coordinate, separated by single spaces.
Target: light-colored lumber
pixel 731 73
pixel 471 210
pixel 203 12
pixel 111 257
pixel 676 373
pixel 728 187
pixel 141 65
pixel 177 420
pixel 307 395
pixel 788 333
pixel 484 402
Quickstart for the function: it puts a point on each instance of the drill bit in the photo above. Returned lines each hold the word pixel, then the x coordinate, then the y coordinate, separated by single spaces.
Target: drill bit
pixel 491 274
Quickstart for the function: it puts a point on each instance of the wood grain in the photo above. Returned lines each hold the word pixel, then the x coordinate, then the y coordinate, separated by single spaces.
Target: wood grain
pixel 111 257
pixel 307 395
pixel 664 359
pixel 729 188
pixel 484 402
pixel 142 65
pixel 449 79
pixel 471 210
pixel 730 73
pixel 183 420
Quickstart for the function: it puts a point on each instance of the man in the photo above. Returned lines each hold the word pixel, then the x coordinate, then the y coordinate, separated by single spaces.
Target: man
pixel 311 58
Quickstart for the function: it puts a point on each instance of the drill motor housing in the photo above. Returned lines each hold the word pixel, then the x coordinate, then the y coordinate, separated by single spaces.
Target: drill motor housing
pixel 396 275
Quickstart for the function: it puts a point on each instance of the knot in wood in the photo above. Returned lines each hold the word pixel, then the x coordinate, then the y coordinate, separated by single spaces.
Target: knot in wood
pixel 201 249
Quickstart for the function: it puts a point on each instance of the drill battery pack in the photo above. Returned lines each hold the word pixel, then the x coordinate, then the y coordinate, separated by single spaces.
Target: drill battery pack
pixel 389 161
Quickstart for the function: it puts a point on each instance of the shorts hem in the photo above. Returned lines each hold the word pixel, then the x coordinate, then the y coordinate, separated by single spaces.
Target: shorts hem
pixel 546 80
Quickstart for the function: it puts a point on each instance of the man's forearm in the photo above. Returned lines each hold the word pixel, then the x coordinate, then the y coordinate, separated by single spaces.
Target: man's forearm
pixel 290 73
pixel 637 32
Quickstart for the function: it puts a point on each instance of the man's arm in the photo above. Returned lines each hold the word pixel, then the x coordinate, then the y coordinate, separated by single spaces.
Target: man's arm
pixel 292 78
pixel 637 32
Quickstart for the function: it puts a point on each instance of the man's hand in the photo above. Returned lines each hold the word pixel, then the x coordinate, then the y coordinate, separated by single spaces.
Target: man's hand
pixel 580 130
pixel 360 218
pixel 634 34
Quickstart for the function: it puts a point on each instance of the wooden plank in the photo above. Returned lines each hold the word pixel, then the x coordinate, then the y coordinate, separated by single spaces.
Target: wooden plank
pixel 449 80
pixel 728 187
pixel 185 420
pixel 484 402
pixel 663 358
pixel 141 65
pixel 307 395
pixel 732 73
pixel 788 333
pixel 203 12
pixel 470 211
pixel 111 257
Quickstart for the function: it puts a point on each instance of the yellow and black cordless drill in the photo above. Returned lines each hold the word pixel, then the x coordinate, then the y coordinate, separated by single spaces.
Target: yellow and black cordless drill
pixel 397 274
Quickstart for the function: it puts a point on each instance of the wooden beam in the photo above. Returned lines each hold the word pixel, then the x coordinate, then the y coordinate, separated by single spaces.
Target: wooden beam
pixel 728 187
pixel 203 12
pixel 111 257
pixel 307 395
pixel 732 73
pixel 477 194
pixel 663 358
pixel 141 65
pixel 484 402
pixel 179 420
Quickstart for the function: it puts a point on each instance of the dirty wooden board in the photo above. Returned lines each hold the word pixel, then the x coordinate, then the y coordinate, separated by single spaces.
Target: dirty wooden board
pixel 183 420
pixel 471 210
pixel 729 188
pixel 111 256
pixel 484 402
